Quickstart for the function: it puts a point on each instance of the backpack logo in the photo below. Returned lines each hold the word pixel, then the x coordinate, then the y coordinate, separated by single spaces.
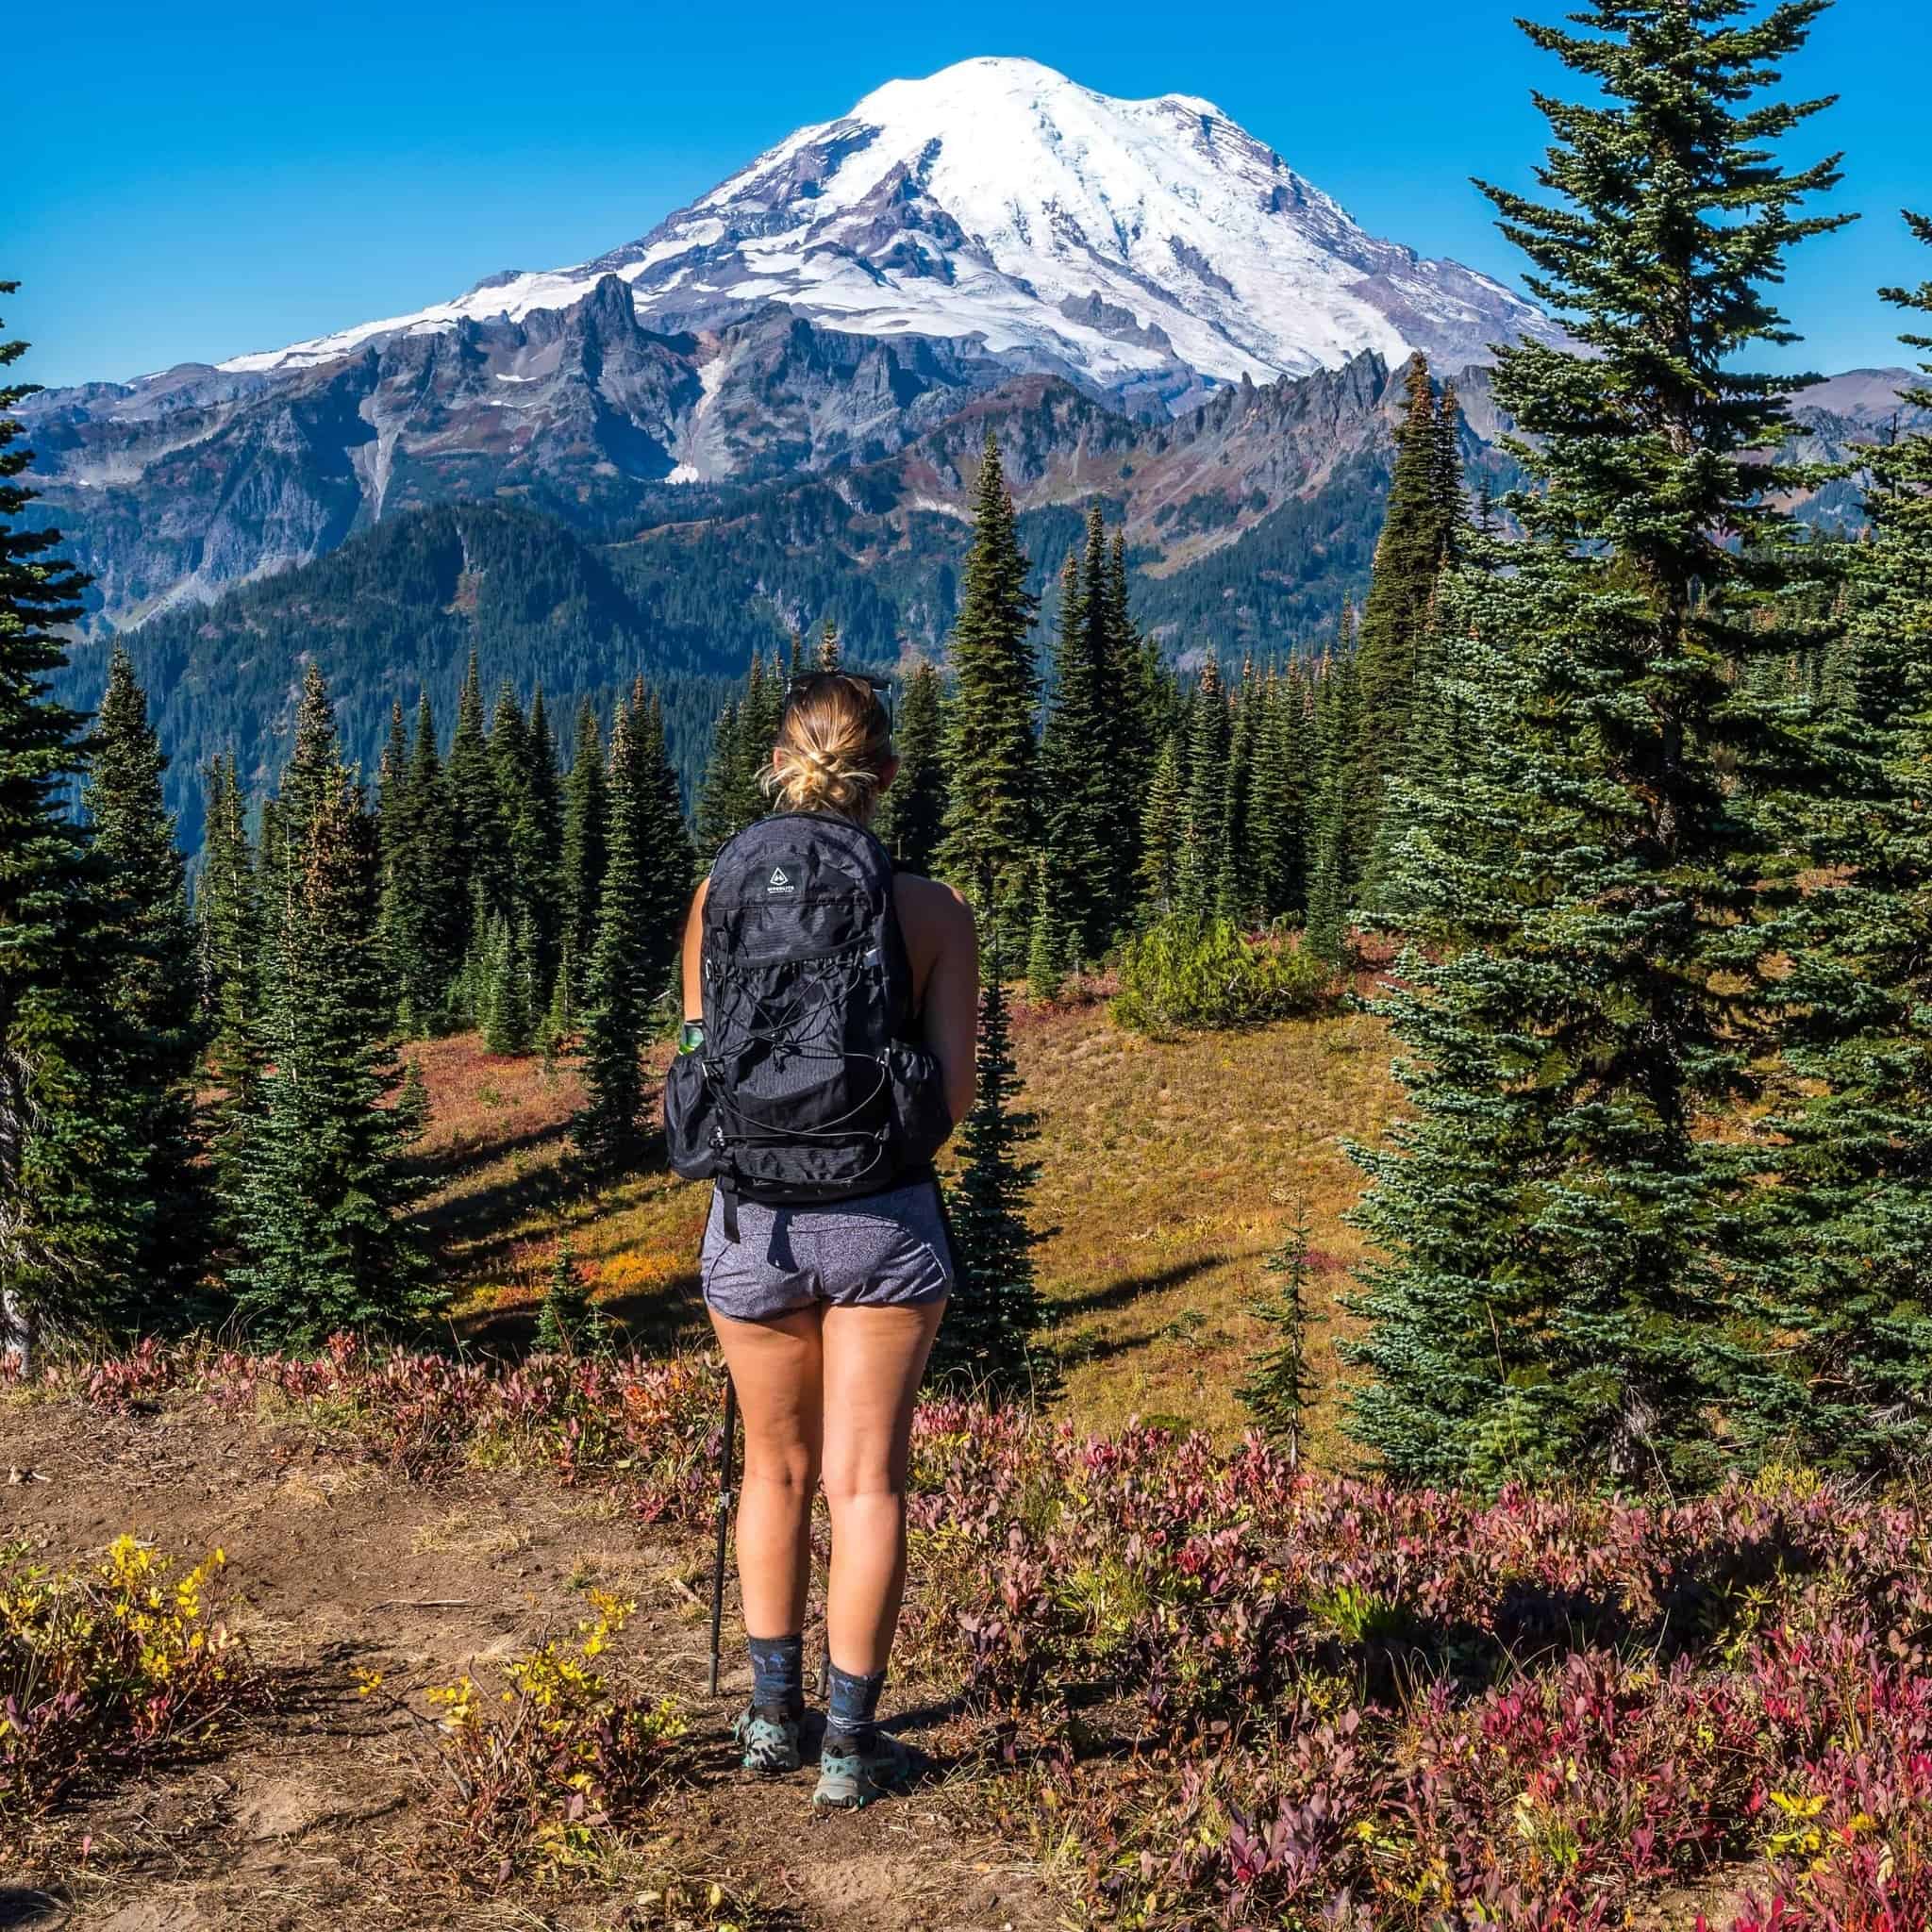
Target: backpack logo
pixel 778 882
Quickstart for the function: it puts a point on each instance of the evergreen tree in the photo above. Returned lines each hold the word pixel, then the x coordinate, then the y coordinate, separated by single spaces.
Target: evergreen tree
pixel 566 1320
pixel 425 902
pixel 391 814
pixel 1424 507
pixel 72 1173
pixel 1235 898
pixel 143 958
pixel 647 870
pixel 475 818
pixel 1844 1259
pixel 1281 1386
pixel 1335 818
pixel 912 812
pixel 228 916
pixel 725 783
pixel 1446 486
pixel 1274 861
pixel 733 794
pixel 1139 712
pixel 1163 827
pixel 987 1338
pixel 1595 977
pixel 1078 786
pixel 537 842
pixel 1048 949
pixel 1203 823
pixel 586 814
pixel 310 769
pixel 325 1189
pixel 663 840
pixel 987 847
pixel 758 717
pixel 829 658
pixel 508 1017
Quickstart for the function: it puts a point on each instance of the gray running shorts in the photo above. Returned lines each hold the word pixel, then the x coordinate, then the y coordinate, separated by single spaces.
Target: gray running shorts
pixel 887 1250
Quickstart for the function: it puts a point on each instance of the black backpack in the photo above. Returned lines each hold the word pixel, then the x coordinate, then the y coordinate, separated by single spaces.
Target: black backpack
pixel 809 1085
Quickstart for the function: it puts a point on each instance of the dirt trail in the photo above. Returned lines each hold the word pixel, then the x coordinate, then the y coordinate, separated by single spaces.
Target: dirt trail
pixel 308 1815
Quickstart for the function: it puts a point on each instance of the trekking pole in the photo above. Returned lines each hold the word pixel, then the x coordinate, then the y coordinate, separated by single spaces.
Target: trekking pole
pixel 724 1462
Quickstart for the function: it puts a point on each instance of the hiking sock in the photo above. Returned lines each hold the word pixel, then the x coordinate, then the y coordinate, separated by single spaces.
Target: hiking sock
pixel 851 1712
pixel 777 1677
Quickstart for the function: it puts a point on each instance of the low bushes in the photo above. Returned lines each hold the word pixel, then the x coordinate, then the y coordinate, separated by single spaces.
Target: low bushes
pixel 1213 1692
pixel 111 1669
pixel 647 1425
pixel 1185 975
pixel 546 1766
pixel 1237 1697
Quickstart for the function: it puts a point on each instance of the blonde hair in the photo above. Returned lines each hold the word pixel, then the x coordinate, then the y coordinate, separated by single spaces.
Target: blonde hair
pixel 835 741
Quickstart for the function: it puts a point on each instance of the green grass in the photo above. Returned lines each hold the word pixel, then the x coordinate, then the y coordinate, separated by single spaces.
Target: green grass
pixel 1168 1173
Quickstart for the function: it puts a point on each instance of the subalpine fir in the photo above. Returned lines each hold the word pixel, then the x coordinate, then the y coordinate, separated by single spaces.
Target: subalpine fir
pixel 646 874
pixel 72 1203
pixel 1417 540
pixel 228 919
pixel 664 835
pixel 426 912
pixel 1273 858
pixel 586 814
pixel 1078 788
pixel 1336 812
pixel 1280 1387
pixel 1562 1209
pixel 1163 824
pixel 324 1192
pixel 912 813
pixel 733 794
pixel 1845 1262
pixel 478 845
pixel 144 951
pixel 1204 814
pixel 987 847
pixel 988 1342
pixel 1236 898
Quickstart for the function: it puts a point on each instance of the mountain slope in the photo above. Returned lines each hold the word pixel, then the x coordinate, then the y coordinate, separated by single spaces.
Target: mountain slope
pixel 1248 520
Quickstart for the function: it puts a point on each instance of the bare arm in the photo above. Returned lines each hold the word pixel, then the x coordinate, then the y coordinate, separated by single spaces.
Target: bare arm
pixel 944 945
pixel 693 953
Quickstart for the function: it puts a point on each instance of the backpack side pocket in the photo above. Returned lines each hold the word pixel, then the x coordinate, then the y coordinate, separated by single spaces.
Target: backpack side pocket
pixel 921 1122
pixel 690 1121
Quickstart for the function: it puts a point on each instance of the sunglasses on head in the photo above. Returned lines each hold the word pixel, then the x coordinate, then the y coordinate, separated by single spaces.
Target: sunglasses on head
pixel 802 681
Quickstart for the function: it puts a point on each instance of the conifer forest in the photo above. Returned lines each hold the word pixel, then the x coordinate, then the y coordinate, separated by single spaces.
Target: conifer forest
pixel 1431 1427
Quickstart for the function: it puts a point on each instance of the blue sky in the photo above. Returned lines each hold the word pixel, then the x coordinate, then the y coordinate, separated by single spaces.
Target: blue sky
pixel 189 183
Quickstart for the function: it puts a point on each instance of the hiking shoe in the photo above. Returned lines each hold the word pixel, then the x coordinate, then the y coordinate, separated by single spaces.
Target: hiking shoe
pixel 850 1779
pixel 769 1744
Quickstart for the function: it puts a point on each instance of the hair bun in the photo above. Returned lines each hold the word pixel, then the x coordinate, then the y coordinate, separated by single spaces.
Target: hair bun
pixel 834 744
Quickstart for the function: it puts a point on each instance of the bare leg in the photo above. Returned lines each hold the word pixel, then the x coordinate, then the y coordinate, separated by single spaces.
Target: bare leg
pixel 776 1366
pixel 874 1357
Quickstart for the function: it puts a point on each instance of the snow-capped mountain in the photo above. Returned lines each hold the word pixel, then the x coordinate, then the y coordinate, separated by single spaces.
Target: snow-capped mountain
pixel 853 288
pixel 1136 246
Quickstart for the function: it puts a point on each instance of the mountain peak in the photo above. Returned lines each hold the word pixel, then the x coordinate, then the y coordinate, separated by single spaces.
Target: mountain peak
pixel 1143 249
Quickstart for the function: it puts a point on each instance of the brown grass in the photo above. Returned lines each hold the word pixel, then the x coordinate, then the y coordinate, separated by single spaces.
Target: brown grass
pixel 1168 1172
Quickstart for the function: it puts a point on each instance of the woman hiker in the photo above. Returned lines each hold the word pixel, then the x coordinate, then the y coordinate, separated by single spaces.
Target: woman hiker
pixel 830 1008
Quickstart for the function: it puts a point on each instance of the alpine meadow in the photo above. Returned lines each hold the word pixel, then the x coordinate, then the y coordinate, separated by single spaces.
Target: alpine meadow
pixel 1431 1427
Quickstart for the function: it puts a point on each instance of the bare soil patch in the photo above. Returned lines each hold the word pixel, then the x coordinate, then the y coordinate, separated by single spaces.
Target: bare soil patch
pixel 317 1811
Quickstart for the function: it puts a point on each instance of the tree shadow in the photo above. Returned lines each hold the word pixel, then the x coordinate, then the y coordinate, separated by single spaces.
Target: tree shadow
pixel 658 1318
pixel 1126 1289
pixel 445 1163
